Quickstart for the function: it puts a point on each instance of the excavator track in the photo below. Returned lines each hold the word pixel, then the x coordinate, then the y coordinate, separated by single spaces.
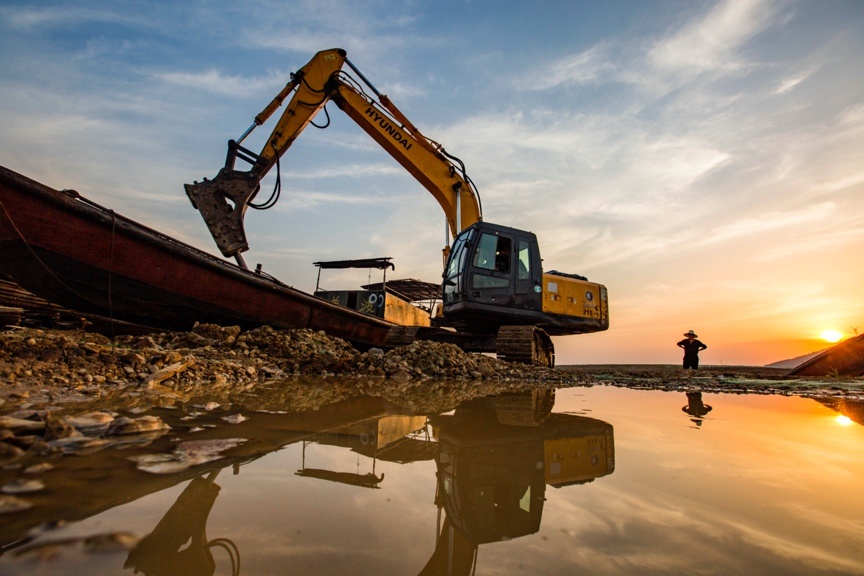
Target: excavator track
pixel 525 409
pixel 526 345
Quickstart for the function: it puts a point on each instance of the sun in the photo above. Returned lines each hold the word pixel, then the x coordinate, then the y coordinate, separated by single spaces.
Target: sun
pixel 831 335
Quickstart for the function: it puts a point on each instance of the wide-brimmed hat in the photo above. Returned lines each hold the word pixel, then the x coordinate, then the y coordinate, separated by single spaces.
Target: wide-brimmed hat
pixel 690 333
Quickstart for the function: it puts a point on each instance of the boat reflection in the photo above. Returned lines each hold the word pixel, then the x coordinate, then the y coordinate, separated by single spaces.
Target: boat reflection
pixel 390 438
pixel 851 409
pixel 108 479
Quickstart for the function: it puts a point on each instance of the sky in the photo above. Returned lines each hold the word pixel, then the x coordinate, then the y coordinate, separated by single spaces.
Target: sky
pixel 704 160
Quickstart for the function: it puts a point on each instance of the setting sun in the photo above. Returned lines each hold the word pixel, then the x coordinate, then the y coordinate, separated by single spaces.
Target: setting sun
pixel 831 335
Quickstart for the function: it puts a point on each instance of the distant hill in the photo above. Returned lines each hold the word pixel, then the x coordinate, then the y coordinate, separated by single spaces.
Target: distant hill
pixel 794 362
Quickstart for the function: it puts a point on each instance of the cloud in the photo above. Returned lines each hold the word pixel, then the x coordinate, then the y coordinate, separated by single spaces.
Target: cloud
pixel 309 200
pixel 824 242
pixel 853 116
pixel 352 170
pixel 588 66
pixel 713 42
pixel 213 80
pixel 371 30
pixel 788 84
pixel 51 17
pixel 771 222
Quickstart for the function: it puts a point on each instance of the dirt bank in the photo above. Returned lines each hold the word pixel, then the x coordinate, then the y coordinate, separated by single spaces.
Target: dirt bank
pixel 61 367
pixel 40 368
pixel 75 392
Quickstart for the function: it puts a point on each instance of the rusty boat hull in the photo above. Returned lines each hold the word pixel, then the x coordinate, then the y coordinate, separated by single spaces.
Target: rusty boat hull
pixel 73 252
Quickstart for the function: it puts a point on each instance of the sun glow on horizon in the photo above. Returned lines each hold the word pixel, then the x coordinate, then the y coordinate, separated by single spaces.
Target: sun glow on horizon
pixel 831 335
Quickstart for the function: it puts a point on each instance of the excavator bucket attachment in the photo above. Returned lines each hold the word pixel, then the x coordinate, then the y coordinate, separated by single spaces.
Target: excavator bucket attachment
pixel 222 203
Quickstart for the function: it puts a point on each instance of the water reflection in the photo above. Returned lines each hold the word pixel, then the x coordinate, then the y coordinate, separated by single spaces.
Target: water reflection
pixel 390 438
pixel 496 456
pixel 178 545
pixel 498 485
pixel 851 410
pixel 696 408
pixel 107 479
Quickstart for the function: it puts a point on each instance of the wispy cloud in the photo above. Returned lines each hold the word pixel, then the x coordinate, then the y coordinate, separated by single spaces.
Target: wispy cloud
pixel 31 16
pixel 788 84
pixel 592 65
pixel 310 200
pixel 216 81
pixel 827 241
pixel 714 41
pixel 771 222
pixel 345 170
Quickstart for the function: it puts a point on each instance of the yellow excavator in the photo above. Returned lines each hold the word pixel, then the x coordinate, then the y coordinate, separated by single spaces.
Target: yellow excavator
pixel 495 295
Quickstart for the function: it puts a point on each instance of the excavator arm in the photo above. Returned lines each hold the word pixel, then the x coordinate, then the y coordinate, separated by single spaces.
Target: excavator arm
pixel 223 200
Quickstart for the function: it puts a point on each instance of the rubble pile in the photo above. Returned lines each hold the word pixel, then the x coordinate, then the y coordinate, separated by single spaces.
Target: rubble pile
pixel 51 366
pixel 75 392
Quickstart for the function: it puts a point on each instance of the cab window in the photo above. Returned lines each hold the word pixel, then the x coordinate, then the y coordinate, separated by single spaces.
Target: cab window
pixel 493 253
pixel 524 260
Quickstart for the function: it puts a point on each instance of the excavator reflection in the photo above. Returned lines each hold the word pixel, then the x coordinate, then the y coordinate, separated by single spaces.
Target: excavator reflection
pixel 164 552
pixel 494 458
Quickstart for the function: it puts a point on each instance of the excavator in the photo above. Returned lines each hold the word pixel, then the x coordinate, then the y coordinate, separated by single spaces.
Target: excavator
pixel 495 295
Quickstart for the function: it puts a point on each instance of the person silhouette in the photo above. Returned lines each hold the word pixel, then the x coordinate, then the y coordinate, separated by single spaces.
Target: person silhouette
pixel 691 347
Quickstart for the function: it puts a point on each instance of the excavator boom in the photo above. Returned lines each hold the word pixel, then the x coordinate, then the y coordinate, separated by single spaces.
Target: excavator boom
pixel 223 200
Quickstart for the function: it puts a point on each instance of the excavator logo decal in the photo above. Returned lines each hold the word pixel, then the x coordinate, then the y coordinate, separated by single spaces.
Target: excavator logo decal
pixel 387 127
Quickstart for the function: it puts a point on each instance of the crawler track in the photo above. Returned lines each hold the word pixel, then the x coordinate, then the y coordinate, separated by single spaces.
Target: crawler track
pixel 525 344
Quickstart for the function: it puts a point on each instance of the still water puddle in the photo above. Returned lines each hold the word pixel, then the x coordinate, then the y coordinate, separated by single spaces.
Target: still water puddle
pixel 595 480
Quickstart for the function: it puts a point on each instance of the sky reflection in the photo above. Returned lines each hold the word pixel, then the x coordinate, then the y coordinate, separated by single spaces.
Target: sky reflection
pixel 764 484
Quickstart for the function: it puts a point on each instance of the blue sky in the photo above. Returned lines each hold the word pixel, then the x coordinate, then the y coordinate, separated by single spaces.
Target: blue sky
pixel 702 159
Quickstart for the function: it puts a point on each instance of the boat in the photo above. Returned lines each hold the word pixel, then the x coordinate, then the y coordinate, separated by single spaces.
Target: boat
pixel 71 251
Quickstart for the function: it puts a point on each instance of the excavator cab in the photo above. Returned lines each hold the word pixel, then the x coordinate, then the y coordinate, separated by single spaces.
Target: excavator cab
pixel 497 297
pixel 493 277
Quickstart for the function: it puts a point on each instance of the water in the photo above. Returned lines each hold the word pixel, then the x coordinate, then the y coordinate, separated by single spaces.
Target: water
pixel 613 481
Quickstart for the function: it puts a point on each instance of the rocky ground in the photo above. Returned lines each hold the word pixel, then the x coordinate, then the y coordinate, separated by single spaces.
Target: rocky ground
pixel 76 392
pixel 50 378
pixel 56 367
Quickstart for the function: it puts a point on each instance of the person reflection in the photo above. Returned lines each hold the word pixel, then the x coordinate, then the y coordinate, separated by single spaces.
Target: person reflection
pixel 696 408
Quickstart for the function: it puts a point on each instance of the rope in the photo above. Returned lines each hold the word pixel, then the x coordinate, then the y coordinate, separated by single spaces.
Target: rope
pixel 111 272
